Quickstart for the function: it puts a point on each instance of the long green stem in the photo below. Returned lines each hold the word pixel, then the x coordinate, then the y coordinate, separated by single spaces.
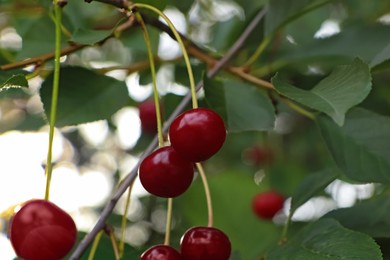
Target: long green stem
pixel 54 99
pixel 169 222
pixel 95 245
pixel 258 51
pixel 192 86
pixel 181 44
pixel 124 221
pixel 207 193
pixel 153 72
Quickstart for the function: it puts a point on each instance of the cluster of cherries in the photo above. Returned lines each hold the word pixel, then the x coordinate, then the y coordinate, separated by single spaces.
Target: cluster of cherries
pixel 195 136
pixel 40 230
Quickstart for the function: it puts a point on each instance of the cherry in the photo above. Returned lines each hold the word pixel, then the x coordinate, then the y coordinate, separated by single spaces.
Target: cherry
pixel 166 174
pixel 147 115
pixel 258 155
pixel 161 252
pixel 205 243
pixel 197 134
pixel 265 205
pixel 40 230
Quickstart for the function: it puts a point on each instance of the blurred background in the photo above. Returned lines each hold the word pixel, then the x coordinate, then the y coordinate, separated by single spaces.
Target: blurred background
pixel 89 159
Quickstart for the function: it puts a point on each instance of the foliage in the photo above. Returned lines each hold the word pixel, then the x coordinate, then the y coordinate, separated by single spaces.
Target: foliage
pixel 319 102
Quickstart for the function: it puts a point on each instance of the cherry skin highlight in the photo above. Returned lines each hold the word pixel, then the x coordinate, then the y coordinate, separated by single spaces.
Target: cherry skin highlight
pixel 166 174
pixel 197 134
pixel 41 230
pixel 205 243
pixel 161 252
pixel 265 205
pixel 147 115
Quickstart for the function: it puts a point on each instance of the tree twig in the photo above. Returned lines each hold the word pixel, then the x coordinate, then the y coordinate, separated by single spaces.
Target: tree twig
pixel 82 246
pixel 42 58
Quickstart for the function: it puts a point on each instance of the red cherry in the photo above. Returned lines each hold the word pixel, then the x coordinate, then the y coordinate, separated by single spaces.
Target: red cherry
pixel 161 252
pixel 166 174
pixel 265 205
pixel 147 115
pixel 197 134
pixel 205 243
pixel 40 230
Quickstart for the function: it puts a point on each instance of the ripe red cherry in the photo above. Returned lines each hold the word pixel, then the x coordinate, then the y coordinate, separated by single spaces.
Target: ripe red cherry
pixel 205 243
pixel 265 205
pixel 161 252
pixel 166 174
pixel 40 230
pixel 197 134
pixel 147 115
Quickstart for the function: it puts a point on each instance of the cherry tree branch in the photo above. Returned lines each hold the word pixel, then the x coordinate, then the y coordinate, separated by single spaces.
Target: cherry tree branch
pixel 82 246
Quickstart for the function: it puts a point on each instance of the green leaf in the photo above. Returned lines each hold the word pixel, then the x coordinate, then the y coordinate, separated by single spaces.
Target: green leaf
pixel 12 81
pixel 370 217
pixel 84 96
pixel 242 106
pixel 361 147
pixel 89 37
pixel 382 57
pixel 311 185
pixel 38 37
pixel 281 12
pixel 345 87
pixel 232 193
pixel 327 239
pixel 371 37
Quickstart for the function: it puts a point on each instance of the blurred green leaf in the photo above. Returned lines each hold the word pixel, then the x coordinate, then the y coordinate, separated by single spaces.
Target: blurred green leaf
pixel 381 57
pixel 345 87
pixel 361 147
pixel 233 99
pixel 232 194
pixel 12 81
pixel 134 40
pixel 84 96
pixel 38 37
pixel 181 73
pixel 311 185
pixel 370 217
pixel 283 11
pixel 371 39
pixel 327 239
pixel 89 37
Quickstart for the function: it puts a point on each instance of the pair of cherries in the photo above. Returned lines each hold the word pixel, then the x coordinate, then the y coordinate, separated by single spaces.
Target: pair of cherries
pixel 195 136
pixel 197 243
pixel 41 230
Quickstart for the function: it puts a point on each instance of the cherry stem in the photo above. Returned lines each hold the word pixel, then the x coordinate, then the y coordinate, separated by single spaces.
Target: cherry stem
pixel 124 221
pixel 182 47
pixel 54 98
pixel 114 243
pixel 169 222
pixel 283 238
pixel 299 109
pixel 153 72
pixel 207 193
pixel 95 245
